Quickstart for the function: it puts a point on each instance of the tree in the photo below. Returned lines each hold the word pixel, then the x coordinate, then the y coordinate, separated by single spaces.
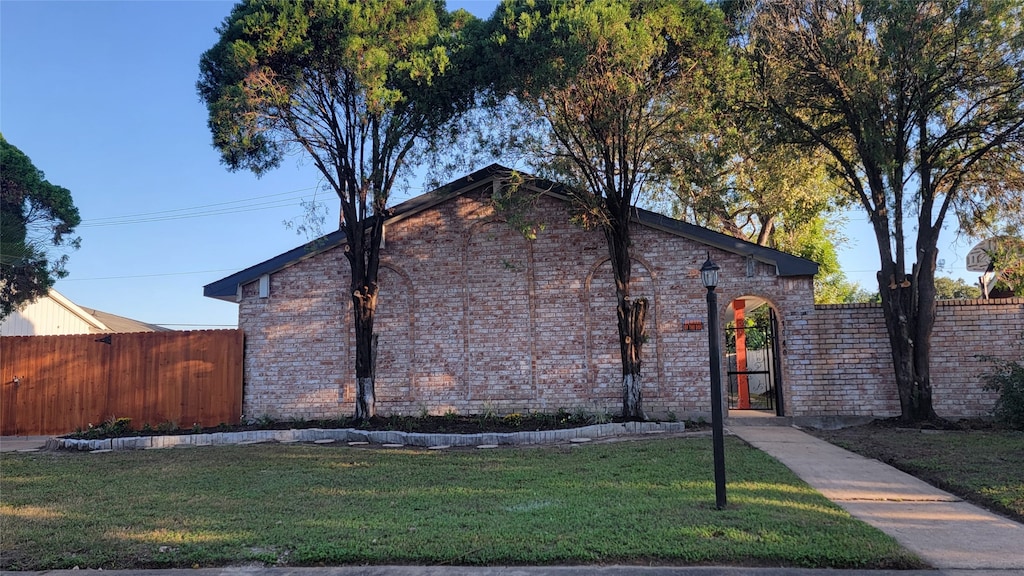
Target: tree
pixel 920 104
pixel 741 176
pixel 364 88
pixel 955 289
pixel 613 83
pixel 1008 262
pixel 770 194
pixel 35 215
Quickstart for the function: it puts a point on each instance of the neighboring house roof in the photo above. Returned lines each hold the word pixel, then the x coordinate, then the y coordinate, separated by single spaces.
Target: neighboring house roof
pixel 117 323
pixel 229 288
pixel 54 315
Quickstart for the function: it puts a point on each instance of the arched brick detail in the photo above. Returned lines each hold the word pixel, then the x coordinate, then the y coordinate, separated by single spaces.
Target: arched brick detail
pixel 395 329
pixel 499 321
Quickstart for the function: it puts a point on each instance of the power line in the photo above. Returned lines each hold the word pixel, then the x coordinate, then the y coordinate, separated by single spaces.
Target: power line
pixel 218 208
pixel 269 206
pixel 206 205
pixel 150 275
pixel 197 325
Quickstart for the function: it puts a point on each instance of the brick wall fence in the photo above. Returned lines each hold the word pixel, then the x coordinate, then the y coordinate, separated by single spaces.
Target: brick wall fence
pixel 839 361
pixel 474 318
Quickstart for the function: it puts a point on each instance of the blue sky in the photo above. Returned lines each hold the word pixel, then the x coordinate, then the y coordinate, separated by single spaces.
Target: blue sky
pixel 101 96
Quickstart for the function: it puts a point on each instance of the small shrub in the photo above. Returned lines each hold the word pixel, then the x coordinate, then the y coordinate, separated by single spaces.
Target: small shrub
pixel 166 427
pixel 514 419
pixel 112 428
pixel 1007 379
pixel 119 426
pixel 264 421
pixel 563 416
pixel 489 414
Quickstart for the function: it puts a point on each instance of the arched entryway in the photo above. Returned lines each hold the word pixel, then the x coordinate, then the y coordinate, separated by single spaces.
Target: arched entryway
pixel 754 375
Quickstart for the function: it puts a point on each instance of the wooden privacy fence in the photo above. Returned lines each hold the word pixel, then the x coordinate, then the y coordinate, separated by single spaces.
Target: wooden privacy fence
pixel 57 384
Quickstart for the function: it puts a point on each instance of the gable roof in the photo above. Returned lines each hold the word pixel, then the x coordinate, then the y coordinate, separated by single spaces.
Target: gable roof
pixel 229 288
pixel 121 324
pixel 95 324
pixel 51 313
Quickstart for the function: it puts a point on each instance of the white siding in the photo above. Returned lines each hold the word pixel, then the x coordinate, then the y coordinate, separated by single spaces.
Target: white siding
pixel 49 316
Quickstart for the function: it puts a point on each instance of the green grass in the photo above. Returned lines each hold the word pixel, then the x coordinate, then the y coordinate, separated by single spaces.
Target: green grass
pixel 981 466
pixel 629 502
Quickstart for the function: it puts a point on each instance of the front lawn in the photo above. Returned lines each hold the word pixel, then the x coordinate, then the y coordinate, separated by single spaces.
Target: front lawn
pixel 633 502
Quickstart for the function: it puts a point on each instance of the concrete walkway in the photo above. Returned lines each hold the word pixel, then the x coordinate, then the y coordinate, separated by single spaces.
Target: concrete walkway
pixel 941 529
pixel 22 443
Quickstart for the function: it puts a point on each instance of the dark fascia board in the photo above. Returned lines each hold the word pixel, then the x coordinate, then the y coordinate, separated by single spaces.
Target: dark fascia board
pixel 228 288
pixel 786 264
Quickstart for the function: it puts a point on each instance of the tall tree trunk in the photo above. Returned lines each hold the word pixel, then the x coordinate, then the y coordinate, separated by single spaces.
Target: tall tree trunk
pixel 364 305
pixel 632 334
pixel 909 319
pixel 632 316
pixel 364 259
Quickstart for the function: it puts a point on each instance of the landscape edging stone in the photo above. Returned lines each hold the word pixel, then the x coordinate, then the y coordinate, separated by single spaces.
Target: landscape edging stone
pixel 417 439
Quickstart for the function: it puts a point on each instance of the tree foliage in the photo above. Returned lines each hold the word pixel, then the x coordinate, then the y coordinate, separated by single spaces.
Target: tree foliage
pixel 36 217
pixel 613 83
pixel 362 88
pixel 773 194
pixel 955 289
pixel 1008 262
pixel 920 104
pixel 741 175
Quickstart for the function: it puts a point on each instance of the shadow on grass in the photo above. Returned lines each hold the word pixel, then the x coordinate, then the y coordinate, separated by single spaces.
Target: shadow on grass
pixel 636 502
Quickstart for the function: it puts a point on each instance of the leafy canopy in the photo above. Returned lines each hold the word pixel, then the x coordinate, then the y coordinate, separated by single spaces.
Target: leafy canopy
pixel 353 84
pixel 920 103
pixel 361 88
pixel 35 216
pixel 614 82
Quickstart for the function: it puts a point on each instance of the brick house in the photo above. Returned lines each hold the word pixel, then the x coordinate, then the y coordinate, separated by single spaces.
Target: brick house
pixel 473 317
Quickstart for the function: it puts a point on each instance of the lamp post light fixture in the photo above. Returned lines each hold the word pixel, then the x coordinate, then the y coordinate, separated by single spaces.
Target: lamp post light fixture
pixel 709 276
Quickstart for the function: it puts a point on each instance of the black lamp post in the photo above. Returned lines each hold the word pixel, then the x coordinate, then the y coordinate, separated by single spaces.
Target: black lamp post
pixel 709 276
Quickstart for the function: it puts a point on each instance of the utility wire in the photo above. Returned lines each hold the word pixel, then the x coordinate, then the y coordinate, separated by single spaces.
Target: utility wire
pixel 151 275
pixel 197 325
pixel 268 206
pixel 218 208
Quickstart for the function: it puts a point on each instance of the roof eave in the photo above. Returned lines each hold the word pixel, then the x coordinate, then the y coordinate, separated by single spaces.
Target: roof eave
pixel 228 288
pixel 786 265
